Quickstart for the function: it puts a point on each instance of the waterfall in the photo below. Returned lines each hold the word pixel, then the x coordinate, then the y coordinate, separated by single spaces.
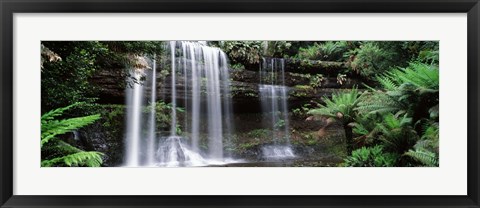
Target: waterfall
pixel 173 127
pixel 274 95
pixel 134 117
pixel 151 120
pixel 199 72
pixel 203 69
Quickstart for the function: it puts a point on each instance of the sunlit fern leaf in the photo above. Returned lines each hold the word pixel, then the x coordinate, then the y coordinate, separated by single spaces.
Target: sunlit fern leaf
pixel 90 159
pixel 387 82
pixel 62 153
pixel 425 157
pixel 343 104
pixel 379 102
pixel 423 76
pixel 370 157
pixel 51 128
pixel 57 112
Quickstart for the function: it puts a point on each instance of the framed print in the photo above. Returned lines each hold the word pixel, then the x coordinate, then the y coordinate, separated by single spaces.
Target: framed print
pixel 242 104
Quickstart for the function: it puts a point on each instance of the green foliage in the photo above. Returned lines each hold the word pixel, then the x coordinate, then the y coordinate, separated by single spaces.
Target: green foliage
pixel 425 157
pixel 163 115
pixel 341 106
pixel 425 150
pixel 276 48
pixel 333 50
pixel 259 133
pixel 303 111
pixel 429 56
pixel 71 65
pixel 370 59
pixel 408 100
pixel 244 52
pixel 407 90
pixel 279 124
pixel 327 51
pixel 237 66
pixel 316 80
pixel 135 47
pixel 376 57
pixel 371 157
pixel 56 152
pixel 89 159
pixel 310 53
pixel 396 133
pixel 424 77
pixel 67 80
pixel 51 127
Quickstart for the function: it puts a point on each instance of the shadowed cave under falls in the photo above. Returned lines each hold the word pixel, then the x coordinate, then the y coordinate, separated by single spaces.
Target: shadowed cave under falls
pixel 200 84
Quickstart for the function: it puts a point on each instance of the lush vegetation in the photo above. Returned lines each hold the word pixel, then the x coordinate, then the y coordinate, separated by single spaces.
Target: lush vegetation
pixel 368 103
pixel 55 151
pixel 394 123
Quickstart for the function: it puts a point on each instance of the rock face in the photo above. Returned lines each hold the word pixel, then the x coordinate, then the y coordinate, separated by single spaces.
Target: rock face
pixel 305 79
pixel 111 85
pixel 101 139
pixel 105 136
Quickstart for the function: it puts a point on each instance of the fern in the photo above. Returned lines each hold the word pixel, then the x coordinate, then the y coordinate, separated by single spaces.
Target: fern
pixel 423 76
pixel 90 159
pixel 371 157
pixel 387 82
pixel 341 106
pixel 380 102
pixel 425 157
pixel 62 153
pixel 57 112
pixel 52 128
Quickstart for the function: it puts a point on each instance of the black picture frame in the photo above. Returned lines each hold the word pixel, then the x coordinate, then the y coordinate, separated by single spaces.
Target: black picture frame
pixel 10 7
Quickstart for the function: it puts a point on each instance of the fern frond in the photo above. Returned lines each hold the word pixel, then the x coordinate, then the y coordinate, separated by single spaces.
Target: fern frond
pixel 423 156
pixel 387 82
pixel 340 103
pixel 51 128
pixel 57 112
pixel 90 159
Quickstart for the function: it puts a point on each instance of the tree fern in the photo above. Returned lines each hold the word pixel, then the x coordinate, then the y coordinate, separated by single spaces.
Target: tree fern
pixel 341 106
pixel 423 76
pixel 62 153
pixel 380 102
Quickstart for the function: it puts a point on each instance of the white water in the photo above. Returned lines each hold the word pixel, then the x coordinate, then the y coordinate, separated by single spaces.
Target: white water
pixel 173 127
pixel 173 153
pixel 151 121
pixel 274 95
pixel 134 117
pixel 277 152
pixel 205 75
pixel 202 68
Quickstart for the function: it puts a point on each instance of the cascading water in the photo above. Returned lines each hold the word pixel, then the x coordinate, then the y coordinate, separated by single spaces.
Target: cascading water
pixel 151 119
pixel 134 117
pixel 206 96
pixel 274 96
